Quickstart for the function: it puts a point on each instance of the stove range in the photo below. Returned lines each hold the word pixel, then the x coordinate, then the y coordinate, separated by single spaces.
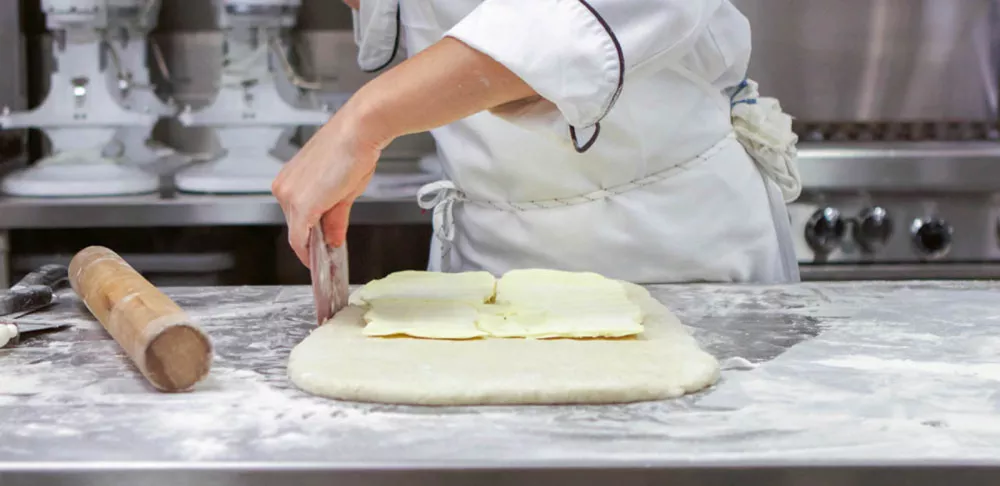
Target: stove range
pixel 898 201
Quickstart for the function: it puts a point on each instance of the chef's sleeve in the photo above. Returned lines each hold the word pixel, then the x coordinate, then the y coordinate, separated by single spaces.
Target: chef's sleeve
pixel 577 53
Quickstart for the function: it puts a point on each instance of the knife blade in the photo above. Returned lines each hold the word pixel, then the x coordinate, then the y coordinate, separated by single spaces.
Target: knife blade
pixel 329 272
pixel 12 331
pixel 11 334
pixel 35 327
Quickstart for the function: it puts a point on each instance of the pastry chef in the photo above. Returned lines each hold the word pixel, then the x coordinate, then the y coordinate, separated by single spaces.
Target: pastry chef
pixel 618 137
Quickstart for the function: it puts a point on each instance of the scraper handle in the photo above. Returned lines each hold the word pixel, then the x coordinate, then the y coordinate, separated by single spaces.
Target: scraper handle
pixel 50 276
pixel 329 272
pixel 33 291
pixel 169 349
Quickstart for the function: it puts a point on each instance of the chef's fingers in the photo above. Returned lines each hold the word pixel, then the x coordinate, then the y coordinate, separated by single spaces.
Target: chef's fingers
pixel 299 216
pixel 299 243
pixel 280 190
pixel 336 221
pixel 298 233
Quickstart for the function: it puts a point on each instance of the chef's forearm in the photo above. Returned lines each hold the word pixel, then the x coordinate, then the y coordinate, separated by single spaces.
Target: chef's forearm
pixel 442 84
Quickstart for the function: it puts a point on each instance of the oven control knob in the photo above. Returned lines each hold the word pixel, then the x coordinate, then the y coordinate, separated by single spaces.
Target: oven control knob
pixel 873 229
pixel 931 238
pixel 825 230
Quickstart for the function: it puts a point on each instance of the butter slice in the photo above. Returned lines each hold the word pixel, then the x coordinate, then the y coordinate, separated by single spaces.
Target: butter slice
pixel 468 287
pixel 431 319
pixel 534 304
pixel 508 321
pixel 543 304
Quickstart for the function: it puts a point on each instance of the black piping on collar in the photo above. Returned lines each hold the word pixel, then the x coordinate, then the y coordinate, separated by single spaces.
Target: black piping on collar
pixel 618 89
pixel 395 46
pixel 590 143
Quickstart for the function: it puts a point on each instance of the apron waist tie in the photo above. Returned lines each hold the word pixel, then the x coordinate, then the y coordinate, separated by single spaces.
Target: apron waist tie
pixel 440 197
pixel 765 131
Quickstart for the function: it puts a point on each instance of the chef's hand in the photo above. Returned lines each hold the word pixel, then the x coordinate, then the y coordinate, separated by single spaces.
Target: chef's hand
pixel 319 185
pixel 355 4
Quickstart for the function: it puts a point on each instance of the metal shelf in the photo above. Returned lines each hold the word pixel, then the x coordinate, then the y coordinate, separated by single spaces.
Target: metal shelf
pixel 182 210
pixel 965 166
pixel 170 207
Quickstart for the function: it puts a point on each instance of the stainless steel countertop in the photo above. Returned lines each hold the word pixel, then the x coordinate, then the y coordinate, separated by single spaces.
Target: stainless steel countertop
pixel 845 383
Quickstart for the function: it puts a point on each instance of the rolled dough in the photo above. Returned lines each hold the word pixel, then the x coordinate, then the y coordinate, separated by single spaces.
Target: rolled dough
pixel 338 361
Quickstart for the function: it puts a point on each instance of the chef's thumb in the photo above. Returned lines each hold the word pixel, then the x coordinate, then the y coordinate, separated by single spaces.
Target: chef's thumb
pixel 335 223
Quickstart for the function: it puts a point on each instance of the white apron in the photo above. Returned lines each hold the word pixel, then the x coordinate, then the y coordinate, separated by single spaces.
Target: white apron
pixel 661 190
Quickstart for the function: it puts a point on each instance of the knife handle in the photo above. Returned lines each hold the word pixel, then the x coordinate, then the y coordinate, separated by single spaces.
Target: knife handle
pixel 23 298
pixel 8 335
pixel 50 276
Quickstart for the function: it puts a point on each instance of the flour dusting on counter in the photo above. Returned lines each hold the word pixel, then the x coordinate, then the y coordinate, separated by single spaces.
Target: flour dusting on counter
pixel 812 372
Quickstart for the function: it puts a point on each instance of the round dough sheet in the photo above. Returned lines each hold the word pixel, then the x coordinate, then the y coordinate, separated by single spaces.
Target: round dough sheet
pixel 665 361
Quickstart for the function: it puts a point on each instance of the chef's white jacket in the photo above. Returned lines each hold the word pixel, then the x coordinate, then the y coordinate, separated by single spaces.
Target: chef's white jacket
pixel 650 158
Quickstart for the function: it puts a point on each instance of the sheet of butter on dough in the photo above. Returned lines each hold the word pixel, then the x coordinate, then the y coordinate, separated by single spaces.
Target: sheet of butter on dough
pixel 469 287
pixel 537 304
pixel 545 304
pixel 429 305
pixel 431 319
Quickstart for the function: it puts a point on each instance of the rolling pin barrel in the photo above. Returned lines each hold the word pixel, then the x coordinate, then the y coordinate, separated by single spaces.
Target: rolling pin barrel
pixel 169 349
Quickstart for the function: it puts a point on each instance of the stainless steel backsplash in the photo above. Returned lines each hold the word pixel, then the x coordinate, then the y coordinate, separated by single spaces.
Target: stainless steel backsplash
pixel 877 60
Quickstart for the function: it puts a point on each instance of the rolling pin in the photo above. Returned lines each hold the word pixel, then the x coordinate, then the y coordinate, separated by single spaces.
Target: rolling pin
pixel 169 349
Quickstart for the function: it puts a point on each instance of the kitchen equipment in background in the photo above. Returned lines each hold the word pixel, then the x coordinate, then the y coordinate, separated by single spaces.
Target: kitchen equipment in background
pixel 251 112
pixel 165 256
pixel 13 151
pixel 100 108
pixel 896 109
pixel 162 269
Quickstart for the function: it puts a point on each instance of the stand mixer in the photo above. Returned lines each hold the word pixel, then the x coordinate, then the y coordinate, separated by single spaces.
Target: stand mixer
pixel 100 108
pixel 250 113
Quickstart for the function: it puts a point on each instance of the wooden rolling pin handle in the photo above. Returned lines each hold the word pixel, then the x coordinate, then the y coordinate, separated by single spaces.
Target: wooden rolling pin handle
pixel 169 349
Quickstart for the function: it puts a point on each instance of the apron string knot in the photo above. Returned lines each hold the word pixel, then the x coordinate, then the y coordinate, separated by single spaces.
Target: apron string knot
pixel 441 197
pixel 765 131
